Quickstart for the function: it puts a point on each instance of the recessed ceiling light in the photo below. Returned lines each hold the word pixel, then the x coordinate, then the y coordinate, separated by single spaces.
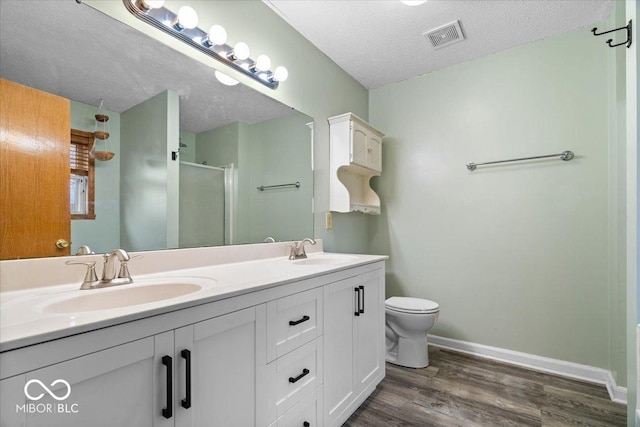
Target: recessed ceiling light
pixel 413 2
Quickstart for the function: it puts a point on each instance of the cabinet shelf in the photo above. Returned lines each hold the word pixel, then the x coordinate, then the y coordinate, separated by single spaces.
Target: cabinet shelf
pixel 355 157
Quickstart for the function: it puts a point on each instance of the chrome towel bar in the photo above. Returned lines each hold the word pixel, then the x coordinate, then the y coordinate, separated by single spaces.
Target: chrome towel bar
pixel 268 187
pixel 565 155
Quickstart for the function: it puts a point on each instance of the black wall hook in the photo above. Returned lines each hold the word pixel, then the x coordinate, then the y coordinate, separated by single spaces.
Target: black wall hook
pixel 627 42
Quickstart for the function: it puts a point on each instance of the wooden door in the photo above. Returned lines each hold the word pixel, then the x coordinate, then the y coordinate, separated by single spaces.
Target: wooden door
pixel 34 172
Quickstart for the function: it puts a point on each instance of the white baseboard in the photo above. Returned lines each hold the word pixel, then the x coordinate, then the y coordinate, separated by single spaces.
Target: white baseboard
pixel 537 363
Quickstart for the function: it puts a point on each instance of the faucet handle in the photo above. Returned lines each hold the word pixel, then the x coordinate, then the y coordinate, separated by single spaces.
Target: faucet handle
pixel 90 276
pixel 124 268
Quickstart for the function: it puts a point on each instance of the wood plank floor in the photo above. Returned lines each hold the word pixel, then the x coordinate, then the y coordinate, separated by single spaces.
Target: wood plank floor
pixel 461 390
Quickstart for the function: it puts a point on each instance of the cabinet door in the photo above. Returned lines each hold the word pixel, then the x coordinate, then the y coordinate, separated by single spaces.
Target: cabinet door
pixel 359 136
pixel 223 370
pixel 339 341
pixel 370 332
pixel 374 152
pixel 113 387
pixel 12 401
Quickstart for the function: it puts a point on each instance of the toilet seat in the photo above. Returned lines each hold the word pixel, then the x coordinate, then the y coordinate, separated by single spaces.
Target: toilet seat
pixel 411 305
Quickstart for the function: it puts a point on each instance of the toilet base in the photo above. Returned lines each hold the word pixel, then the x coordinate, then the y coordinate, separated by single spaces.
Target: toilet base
pixel 410 353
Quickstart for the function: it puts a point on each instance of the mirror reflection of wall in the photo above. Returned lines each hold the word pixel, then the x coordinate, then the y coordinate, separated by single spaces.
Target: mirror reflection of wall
pixel 159 101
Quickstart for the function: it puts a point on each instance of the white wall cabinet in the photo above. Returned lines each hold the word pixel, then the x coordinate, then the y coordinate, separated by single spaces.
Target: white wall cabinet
pixel 354 343
pixel 355 157
pixel 308 356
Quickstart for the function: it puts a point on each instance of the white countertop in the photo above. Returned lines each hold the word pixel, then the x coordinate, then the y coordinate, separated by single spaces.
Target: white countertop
pixel 24 320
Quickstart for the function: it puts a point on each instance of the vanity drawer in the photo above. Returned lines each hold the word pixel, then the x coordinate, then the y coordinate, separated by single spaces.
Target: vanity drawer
pixel 295 375
pixel 307 413
pixel 293 321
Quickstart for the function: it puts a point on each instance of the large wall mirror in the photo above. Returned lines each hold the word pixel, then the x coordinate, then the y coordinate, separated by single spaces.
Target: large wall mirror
pixel 227 141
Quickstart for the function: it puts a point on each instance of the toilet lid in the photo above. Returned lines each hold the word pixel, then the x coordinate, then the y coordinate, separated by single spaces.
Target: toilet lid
pixel 411 305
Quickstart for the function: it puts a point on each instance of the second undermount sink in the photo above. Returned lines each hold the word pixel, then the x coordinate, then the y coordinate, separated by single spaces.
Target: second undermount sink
pixel 325 260
pixel 120 296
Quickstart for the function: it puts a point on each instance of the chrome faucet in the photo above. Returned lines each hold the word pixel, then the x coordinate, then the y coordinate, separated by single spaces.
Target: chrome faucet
pixel 109 268
pixel 297 249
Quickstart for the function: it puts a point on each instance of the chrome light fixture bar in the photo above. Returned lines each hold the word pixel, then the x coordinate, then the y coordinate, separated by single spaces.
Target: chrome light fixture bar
pixel 183 26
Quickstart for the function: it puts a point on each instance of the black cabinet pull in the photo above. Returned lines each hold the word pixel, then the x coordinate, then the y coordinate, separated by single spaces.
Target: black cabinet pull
pixel 297 322
pixel 357 313
pixel 292 380
pixel 362 308
pixel 168 362
pixel 306 424
pixel 186 355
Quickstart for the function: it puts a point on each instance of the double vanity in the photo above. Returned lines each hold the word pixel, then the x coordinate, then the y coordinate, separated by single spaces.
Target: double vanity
pixel 251 338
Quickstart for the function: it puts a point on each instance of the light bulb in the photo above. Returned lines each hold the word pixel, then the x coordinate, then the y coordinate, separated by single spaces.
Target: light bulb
pixel 413 2
pixel 280 74
pixel 217 35
pixel 187 18
pixel 241 51
pixel 263 63
pixel 224 79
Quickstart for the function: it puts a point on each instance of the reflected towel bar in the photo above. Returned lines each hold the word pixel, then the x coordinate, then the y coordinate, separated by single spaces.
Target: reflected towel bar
pixel 565 155
pixel 268 187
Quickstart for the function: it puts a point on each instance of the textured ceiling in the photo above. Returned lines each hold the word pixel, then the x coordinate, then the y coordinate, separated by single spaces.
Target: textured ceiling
pixel 74 51
pixel 381 41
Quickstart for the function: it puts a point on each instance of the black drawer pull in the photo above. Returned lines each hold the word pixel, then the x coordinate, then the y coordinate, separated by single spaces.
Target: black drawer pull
pixel 306 424
pixel 362 308
pixel 186 355
pixel 297 322
pixel 292 380
pixel 357 313
pixel 168 362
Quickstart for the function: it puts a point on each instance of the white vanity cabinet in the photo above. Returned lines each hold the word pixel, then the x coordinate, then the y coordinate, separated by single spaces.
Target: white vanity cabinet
pixel 220 384
pixel 354 343
pixel 106 388
pixel 182 378
pixel 305 353
pixel 355 157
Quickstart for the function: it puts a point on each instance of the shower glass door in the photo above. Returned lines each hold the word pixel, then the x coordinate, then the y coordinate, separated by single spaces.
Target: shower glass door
pixel 203 192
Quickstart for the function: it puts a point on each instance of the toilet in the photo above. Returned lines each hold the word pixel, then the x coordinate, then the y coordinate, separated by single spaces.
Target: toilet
pixel 408 320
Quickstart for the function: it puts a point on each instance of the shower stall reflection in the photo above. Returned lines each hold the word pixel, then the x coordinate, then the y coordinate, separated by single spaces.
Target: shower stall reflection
pixel 206 205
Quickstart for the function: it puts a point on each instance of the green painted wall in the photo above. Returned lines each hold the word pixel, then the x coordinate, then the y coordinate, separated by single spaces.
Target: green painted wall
pixel 188 153
pixel 267 153
pixel 149 178
pixel 516 255
pixel 281 153
pixel 102 233
pixel 316 87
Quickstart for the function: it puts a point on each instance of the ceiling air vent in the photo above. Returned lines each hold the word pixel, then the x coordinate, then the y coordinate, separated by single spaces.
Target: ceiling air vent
pixel 445 35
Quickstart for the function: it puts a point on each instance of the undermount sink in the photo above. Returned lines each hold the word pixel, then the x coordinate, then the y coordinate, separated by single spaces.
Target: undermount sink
pixel 121 296
pixel 325 260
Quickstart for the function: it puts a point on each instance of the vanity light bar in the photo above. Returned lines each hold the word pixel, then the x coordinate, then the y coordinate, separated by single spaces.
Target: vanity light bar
pixel 169 22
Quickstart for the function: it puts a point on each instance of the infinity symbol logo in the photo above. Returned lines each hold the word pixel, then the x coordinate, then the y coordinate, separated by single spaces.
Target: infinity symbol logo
pixel 51 393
